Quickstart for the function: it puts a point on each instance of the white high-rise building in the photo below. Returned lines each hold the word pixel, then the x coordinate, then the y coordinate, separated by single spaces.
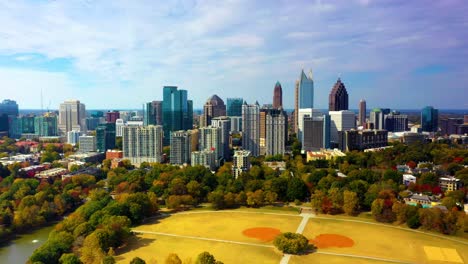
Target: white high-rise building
pixel 73 137
pixel 224 123
pixel 205 158
pixel 210 138
pixel 181 146
pixel 72 116
pixel 119 124
pixel 341 121
pixel 240 162
pixel 87 144
pixel 236 124
pixel 251 128
pixel 142 144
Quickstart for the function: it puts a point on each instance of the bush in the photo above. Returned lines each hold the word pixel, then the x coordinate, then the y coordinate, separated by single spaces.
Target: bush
pixel 137 260
pixel 413 222
pixel 292 243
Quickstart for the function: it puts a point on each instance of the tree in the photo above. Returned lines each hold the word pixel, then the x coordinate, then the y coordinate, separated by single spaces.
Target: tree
pixel 216 199
pixel 137 260
pixel 350 202
pixel 206 258
pixel 255 199
pixel 291 243
pixel 296 189
pixel 173 259
pixel 317 200
pixel 69 258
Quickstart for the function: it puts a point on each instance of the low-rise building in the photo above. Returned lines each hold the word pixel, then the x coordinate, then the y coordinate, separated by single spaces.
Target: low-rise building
pixel 114 154
pixel 425 201
pixel 52 173
pixel 324 154
pixel 450 183
pixel 408 178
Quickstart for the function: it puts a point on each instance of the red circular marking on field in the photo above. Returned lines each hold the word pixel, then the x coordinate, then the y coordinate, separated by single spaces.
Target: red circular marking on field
pixel 332 240
pixel 264 234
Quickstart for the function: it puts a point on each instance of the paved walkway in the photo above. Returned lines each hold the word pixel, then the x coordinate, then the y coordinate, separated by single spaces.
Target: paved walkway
pixel 300 229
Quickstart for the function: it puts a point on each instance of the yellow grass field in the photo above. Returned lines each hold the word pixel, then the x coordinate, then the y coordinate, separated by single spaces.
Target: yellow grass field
pixel 188 234
pixel 381 241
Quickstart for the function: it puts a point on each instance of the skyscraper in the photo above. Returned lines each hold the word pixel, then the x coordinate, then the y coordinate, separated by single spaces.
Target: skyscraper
pixel 316 133
pixel 276 131
pixel 111 116
pixel 277 96
pixel 213 107
pixel 142 143
pixel 306 90
pixel 87 144
pixel 153 113
pixel 395 122
pixel 180 147
pixel 338 99
pixel 429 119
pixel 296 109
pixel 211 139
pixel 340 121
pixel 251 128
pixel 177 111
pixel 72 116
pixel 9 107
pixel 362 112
pixel 105 137
pixel 45 126
pixel 224 123
pixel 234 106
pixel 376 118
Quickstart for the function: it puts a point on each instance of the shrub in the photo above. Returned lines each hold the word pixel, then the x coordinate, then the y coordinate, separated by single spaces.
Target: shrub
pixel 291 243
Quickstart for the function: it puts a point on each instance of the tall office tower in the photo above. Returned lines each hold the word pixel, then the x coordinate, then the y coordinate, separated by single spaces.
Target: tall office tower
pixel 206 158
pixel 105 137
pixel 46 125
pixel 276 131
pixel 73 137
pixel 305 112
pixel 236 124
pixel 251 128
pixel 306 91
pixel 224 123
pixel 277 96
pixel 194 139
pixel 213 107
pixel 296 109
pixel 72 116
pixel 395 122
pixel 211 139
pixel 142 143
pixel 180 147
pixel 376 118
pixel 153 113
pixel 14 127
pixel 429 119
pixel 9 108
pixel 111 116
pixel 362 112
pixel 338 99
pixel 234 106
pixel 93 122
pixel 87 144
pixel 262 126
pixel 316 133
pixel 119 124
pixel 177 111
pixel 340 121
pixel 240 162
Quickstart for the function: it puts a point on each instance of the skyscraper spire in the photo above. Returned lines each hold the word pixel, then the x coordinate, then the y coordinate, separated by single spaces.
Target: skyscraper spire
pixel 277 96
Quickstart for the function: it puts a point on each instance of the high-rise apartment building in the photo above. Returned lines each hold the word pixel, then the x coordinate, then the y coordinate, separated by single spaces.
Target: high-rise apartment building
pixel 73 137
pixel 316 133
pixel 338 98
pixel 340 121
pixel 213 107
pixel 429 119
pixel 153 113
pixel 180 147
pixel 251 128
pixel 72 116
pixel 276 131
pixel 142 143
pixel 211 139
pixel 278 96
pixel 224 123
pixel 362 112
pixel 236 124
pixel 206 158
pixel 87 144
pixel 234 106
pixel 240 162
pixel 119 124
pixel 177 111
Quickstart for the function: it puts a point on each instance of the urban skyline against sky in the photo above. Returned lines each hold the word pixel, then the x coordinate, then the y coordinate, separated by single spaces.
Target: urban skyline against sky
pixel 119 54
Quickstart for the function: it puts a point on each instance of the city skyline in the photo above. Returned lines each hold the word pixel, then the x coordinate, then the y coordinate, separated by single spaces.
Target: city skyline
pixel 71 50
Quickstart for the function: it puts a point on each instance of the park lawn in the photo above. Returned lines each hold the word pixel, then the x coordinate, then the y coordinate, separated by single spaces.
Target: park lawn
pixel 221 224
pixel 155 249
pixel 329 259
pixel 377 240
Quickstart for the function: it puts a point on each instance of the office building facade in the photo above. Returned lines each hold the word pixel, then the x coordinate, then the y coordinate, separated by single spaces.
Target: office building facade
pixel 213 107
pixel 177 111
pixel 362 113
pixel 276 131
pixel 72 116
pixel 429 119
pixel 251 128
pixel 87 144
pixel 153 113
pixel 338 98
pixel 316 134
pixel 142 143
pixel 234 106
pixel 340 121
pixel 278 96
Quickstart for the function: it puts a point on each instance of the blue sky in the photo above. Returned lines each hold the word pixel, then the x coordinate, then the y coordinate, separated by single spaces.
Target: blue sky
pixel 119 54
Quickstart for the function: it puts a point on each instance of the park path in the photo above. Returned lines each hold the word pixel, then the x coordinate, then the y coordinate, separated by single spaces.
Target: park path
pixel 300 229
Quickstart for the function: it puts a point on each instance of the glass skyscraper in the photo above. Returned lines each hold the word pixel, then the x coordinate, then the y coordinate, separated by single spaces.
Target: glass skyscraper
pixel 234 106
pixel 306 91
pixel 429 119
pixel 177 111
